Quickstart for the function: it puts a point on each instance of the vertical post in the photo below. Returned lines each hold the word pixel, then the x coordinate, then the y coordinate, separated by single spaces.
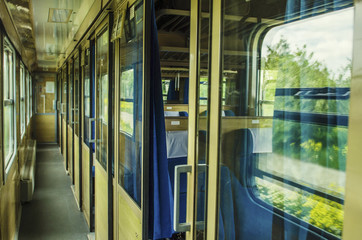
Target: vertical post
pixel 146 97
pixel 110 128
pixel 353 207
pixel 214 136
pixel 193 116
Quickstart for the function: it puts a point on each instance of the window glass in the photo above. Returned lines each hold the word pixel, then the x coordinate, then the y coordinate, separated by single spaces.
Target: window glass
pixel 71 93
pixel 130 135
pixel 283 161
pixel 76 96
pixel 102 93
pixel 126 101
pixel 27 83
pixel 22 99
pixel 31 95
pixel 87 86
pixel 9 120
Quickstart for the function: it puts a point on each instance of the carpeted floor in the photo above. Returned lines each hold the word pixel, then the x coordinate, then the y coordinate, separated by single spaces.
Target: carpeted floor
pixel 53 213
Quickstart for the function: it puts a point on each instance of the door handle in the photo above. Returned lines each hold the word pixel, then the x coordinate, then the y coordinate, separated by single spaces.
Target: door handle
pixel 179 227
pixel 90 130
pixel 62 108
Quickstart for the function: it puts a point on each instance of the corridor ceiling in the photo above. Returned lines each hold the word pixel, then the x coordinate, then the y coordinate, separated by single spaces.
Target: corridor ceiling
pixel 47 27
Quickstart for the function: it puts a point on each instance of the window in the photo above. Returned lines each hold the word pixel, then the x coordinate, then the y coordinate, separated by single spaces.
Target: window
pixel 27 83
pixel 130 104
pixel 22 99
pixel 127 101
pixel 282 164
pixel 31 95
pixel 9 112
pixel 305 85
pixel 76 95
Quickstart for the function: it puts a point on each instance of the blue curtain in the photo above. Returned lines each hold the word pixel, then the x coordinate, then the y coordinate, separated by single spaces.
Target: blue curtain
pixel 160 187
pixel 186 91
pixel 172 93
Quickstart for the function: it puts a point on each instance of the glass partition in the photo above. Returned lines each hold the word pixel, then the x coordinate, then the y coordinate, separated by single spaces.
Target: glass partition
pixel 102 42
pixel 283 152
pixel 76 95
pixel 9 110
pixel 130 105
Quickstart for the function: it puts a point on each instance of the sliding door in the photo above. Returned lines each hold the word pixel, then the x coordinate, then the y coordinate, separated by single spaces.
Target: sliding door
pixel 103 167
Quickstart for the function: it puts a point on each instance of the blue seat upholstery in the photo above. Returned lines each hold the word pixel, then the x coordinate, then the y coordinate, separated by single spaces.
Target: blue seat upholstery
pixel 241 216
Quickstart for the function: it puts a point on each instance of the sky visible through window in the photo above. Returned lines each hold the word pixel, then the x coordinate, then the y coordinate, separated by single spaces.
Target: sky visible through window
pixel 328 37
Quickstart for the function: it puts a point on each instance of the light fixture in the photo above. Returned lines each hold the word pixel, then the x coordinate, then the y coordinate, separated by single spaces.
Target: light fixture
pixel 57 15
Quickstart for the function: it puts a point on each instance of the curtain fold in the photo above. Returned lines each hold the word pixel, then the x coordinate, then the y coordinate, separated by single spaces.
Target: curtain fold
pixel 160 188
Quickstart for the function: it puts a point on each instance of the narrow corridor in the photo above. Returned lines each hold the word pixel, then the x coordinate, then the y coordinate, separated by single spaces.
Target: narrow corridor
pixel 53 213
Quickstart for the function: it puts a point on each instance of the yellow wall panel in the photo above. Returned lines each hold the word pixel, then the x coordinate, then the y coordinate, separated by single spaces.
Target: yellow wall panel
pixel 45 128
pixel 101 202
pixel 85 183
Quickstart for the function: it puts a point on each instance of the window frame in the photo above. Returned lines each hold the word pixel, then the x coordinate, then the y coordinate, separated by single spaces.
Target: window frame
pixel 9 160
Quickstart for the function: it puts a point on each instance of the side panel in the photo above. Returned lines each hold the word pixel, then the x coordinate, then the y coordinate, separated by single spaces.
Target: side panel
pixel 101 200
pixel 76 169
pixel 85 183
pixel 70 152
pixel 129 227
pixel 64 138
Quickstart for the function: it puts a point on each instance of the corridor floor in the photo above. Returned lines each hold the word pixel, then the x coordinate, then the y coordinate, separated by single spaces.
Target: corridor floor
pixel 53 213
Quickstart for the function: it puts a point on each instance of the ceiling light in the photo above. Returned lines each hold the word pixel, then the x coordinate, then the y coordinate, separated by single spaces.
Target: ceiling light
pixel 57 15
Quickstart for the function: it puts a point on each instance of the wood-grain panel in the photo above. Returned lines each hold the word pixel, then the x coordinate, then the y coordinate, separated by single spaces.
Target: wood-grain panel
pixel 70 152
pixel 101 202
pixel 85 183
pixel 129 221
pixel 229 123
pixel 64 137
pixel 45 128
pixel 76 168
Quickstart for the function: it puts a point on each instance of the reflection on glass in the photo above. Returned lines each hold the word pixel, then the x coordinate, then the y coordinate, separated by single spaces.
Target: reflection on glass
pixel 102 93
pixel 130 135
pixel 289 161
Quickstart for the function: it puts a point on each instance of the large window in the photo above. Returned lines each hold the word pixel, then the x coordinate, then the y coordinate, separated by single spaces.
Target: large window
pixel 130 105
pixel 282 164
pixel 305 87
pixel 9 119
pixel 22 99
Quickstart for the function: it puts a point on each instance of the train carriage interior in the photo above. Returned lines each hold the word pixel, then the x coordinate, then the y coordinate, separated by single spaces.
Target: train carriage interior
pixel 173 119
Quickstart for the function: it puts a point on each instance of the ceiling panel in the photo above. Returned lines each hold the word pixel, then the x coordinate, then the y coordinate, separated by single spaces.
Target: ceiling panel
pixel 51 39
